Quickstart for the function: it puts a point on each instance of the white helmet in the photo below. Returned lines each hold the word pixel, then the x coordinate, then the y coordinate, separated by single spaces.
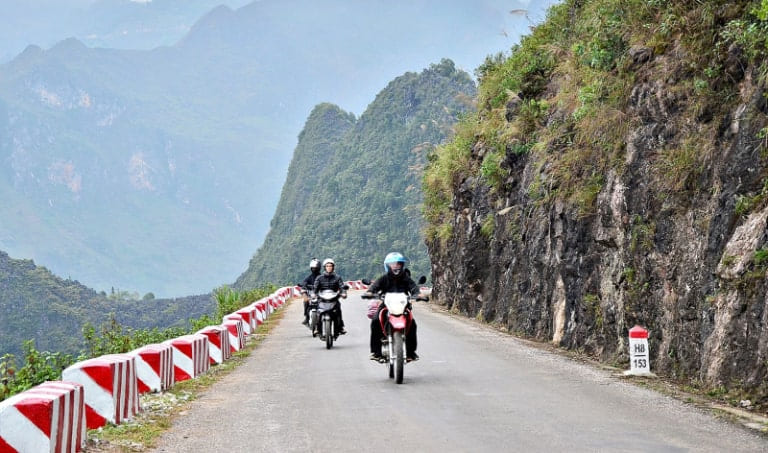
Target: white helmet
pixel 328 261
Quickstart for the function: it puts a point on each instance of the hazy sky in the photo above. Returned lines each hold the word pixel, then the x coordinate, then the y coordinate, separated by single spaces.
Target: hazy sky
pixel 128 24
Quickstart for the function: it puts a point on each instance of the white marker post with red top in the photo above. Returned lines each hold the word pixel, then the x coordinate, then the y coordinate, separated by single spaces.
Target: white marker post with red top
pixel 639 354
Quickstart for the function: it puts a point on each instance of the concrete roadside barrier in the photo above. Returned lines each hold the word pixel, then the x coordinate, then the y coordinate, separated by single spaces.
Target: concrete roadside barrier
pixel 190 356
pixel 154 367
pixel 109 384
pixel 246 326
pixel 249 317
pixel 49 417
pixel 261 312
pixel 236 335
pixel 219 349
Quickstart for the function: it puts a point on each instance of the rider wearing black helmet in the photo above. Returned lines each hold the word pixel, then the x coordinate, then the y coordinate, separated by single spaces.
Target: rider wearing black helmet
pixel 397 279
pixel 330 280
pixel 308 285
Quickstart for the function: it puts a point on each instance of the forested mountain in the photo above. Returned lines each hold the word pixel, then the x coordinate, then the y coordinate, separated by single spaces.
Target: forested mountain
pixel 353 190
pixel 159 170
pixel 616 173
pixel 37 305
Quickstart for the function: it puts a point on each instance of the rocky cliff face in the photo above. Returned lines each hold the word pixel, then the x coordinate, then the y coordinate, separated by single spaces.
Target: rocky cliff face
pixel 671 235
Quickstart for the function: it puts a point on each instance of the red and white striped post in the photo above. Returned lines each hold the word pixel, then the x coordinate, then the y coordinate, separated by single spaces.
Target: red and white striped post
pixel 190 356
pixel 109 383
pixel 236 335
pixel 239 317
pixel 261 312
pixel 219 349
pixel 249 317
pixel 154 367
pixel 48 417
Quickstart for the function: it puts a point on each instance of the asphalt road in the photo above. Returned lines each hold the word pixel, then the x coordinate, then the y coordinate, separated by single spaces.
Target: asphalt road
pixel 474 390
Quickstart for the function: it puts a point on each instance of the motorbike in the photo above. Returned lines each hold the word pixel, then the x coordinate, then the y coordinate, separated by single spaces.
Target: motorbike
pixel 322 320
pixel 395 320
pixel 312 314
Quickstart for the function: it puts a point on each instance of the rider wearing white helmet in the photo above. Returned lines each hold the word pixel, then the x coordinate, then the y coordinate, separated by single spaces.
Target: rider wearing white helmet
pixel 330 280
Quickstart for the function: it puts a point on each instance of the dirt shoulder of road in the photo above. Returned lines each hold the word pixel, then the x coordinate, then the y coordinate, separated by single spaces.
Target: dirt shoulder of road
pixel 159 410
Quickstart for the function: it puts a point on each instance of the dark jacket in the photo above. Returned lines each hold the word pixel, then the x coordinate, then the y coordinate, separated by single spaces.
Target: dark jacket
pixel 389 283
pixel 309 282
pixel 329 281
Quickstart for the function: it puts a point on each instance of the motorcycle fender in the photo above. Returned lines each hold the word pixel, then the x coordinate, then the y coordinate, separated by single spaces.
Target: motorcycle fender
pixel 397 322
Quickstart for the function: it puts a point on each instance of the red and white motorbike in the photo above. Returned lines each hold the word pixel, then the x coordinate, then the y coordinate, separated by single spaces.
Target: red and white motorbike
pixel 395 320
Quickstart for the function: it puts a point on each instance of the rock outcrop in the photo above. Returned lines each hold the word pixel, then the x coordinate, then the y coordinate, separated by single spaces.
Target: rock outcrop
pixel 677 246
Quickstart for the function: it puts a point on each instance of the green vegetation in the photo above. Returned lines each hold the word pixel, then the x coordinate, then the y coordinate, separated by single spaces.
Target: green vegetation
pixel 353 190
pixel 37 305
pixel 442 175
pixel 158 409
pixel 559 97
pixel 488 226
pixel 110 338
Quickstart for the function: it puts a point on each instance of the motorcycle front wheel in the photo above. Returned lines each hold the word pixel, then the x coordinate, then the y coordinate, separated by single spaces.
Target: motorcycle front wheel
pixel 389 356
pixel 399 360
pixel 328 332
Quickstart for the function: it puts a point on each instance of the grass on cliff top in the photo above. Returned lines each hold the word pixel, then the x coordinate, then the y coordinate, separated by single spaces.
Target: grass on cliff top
pixel 159 409
pixel 560 97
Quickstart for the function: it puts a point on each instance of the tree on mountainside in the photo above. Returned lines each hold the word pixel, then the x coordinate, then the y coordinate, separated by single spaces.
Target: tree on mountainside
pixel 365 178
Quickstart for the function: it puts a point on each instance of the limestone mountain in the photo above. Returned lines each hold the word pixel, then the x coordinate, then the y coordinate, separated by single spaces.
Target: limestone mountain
pixel 616 174
pixel 353 188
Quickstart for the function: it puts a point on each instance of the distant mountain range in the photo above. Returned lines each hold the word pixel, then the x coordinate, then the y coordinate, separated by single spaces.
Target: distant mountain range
pixel 117 24
pixel 159 170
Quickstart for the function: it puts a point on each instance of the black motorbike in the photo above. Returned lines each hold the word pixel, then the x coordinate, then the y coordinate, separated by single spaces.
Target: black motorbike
pixel 323 317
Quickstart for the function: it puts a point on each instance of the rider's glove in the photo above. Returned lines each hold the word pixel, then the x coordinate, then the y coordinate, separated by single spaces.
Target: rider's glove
pixel 344 295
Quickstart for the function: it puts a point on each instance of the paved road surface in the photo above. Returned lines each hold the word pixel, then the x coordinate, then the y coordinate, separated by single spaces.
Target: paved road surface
pixel 474 390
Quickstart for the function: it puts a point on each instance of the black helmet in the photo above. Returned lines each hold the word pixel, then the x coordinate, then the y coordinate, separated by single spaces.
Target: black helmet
pixel 314 265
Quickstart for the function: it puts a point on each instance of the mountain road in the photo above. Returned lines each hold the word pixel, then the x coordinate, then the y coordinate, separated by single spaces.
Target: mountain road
pixel 475 389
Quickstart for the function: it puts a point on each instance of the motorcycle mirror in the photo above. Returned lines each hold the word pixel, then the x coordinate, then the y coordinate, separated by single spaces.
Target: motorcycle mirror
pixel 365 281
pixel 422 280
pixel 346 287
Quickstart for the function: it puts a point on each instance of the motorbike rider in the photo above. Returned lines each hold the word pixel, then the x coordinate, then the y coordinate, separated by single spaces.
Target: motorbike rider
pixel 308 284
pixel 397 279
pixel 330 280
